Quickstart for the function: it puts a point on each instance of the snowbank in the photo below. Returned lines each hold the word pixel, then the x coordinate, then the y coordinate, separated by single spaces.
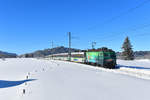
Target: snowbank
pixel 58 80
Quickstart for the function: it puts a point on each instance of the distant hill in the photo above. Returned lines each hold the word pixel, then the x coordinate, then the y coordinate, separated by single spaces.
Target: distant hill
pixel 45 52
pixel 7 55
pixel 138 55
pixel 142 54
pixel 61 49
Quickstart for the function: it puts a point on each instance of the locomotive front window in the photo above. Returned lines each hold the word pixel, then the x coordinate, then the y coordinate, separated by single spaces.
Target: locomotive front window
pixel 112 56
pixel 106 55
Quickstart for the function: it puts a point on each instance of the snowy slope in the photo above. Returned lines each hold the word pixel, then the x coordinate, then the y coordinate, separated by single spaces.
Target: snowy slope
pixel 58 80
pixel 140 64
pixel 137 68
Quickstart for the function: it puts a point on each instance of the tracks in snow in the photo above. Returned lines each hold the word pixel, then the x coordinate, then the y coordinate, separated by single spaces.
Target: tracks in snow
pixel 139 73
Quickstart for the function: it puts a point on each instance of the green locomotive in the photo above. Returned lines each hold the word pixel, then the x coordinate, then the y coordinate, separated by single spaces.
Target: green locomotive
pixel 102 57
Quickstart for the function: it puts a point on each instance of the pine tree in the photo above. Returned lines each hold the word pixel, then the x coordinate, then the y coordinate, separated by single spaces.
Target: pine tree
pixel 127 53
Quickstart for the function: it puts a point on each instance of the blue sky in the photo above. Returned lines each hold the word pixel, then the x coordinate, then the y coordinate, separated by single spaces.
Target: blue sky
pixel 29 25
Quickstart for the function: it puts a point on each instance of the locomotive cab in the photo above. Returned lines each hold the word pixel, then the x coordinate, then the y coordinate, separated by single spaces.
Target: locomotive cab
pixel 109 60
pixel 101 57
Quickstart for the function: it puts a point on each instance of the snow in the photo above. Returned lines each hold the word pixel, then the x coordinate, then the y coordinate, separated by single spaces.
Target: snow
pixel 137 68
pixel 60 80
pixel 145 63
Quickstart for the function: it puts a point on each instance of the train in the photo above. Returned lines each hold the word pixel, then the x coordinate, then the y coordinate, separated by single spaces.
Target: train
pixel 102 57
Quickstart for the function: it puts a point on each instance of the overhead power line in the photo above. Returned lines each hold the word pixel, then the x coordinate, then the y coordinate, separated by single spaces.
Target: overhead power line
pixel 115 35
pixel 129 10
pixel 122 14
pixel 141 27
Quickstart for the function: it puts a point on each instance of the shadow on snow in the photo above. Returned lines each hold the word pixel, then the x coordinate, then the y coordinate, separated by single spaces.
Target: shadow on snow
pixel 135 67
pixel 6 84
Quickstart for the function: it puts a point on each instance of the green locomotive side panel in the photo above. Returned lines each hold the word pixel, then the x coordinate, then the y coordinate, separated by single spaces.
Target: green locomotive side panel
pixel 94 57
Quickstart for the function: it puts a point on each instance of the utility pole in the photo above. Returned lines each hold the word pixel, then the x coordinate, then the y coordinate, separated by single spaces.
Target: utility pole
pixel 52 48
pixel 93 45
pixel 69 52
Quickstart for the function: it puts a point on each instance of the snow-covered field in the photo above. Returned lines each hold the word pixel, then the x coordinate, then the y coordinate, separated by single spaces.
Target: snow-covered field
pixel 59 80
